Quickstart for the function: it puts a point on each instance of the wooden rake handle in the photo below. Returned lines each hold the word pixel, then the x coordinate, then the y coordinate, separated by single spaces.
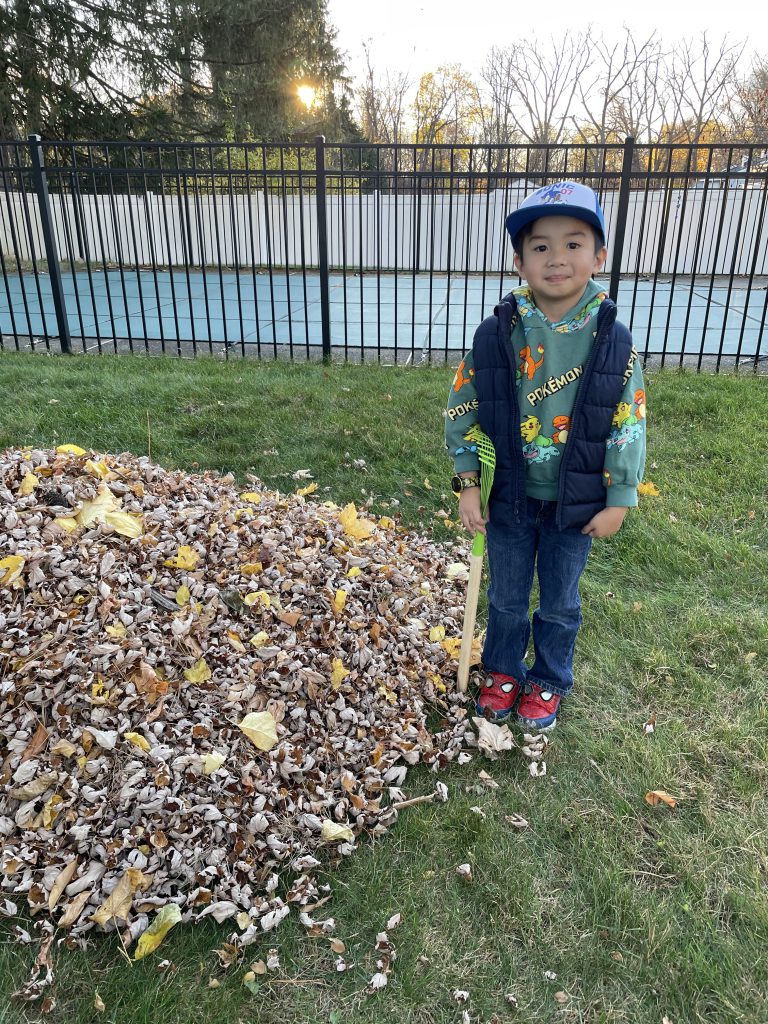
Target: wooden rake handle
pixel 470 609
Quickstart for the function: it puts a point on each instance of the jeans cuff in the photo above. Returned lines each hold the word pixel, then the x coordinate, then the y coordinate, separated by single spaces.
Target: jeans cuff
pixel 551 687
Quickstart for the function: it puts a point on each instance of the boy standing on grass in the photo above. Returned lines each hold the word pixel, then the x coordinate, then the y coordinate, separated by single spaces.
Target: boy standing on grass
pixel 554 380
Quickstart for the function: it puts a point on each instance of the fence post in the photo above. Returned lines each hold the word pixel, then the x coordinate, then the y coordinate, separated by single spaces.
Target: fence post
pixel 621 217
pixel 51 252
pixel 322 243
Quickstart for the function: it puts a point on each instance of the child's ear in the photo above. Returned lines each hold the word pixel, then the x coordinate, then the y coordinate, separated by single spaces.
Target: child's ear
pixel 600 258
pixel 518 262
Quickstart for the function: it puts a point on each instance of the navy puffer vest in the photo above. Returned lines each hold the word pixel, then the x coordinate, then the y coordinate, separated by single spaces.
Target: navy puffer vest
pixel 581 490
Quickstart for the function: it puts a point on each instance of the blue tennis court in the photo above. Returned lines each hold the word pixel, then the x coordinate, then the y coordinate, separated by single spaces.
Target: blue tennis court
pixel 422 314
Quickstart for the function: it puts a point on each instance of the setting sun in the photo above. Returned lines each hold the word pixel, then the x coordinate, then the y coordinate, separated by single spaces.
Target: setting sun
pixel 307 95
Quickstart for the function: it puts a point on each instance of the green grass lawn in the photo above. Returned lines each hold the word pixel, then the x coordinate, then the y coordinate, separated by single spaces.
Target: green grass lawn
pixel 641 912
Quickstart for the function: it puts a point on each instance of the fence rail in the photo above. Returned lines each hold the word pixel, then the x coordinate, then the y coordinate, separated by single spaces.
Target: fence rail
pixel 363 252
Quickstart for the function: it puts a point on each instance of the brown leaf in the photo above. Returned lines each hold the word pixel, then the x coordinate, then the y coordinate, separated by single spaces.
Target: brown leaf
pixel 62 881
pixel 118 903
pixel 660 796
pixel 36 744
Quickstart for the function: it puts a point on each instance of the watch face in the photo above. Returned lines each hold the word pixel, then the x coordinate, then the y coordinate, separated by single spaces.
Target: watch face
pixel 456 484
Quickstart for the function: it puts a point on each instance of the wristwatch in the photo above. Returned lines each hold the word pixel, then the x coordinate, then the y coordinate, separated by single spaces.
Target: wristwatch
pixel 461 483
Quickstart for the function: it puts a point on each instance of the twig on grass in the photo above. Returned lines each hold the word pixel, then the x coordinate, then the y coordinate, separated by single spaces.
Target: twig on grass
pixel 427 799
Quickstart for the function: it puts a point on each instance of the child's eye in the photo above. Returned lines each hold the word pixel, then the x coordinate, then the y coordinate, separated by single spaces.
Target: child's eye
pixel 539 248
pixel 574 245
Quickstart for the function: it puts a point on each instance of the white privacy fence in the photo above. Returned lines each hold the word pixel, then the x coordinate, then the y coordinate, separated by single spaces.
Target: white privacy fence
pixel 684 231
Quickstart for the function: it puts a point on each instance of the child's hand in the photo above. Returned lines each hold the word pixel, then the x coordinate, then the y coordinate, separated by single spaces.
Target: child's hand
pixel 607 522
pixel 469 510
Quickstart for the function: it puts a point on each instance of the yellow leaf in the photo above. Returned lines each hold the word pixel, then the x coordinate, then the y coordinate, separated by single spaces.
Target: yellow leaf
pixel 259 639
pixel 69 524
pixel 309 489
pixel 389 695
pixel 339 601
pixel 234 639
pixel 212 529
pixel 353 527
pixel 212 762
pixel 198 673
pixel 185 558
pixel 333 832
pixel 13 564
pixel 98 689
pixel 125 524
pixel 259 597
pixel 251 496
pixel 63 747
pixel 116 630
pixel 96 511
pixel 251 569
pixel 386 523
pixel 648 488
pixel 28 484
pixel 436 634
pixel 138 740
pixel 167 917
pixel 657 796
pixel 353 572
pixel 182 595
pixel 339 673
pixel 427 484
pixel 452 646
pixel 260 728
pixel 118 903
pixel 50 809
pixel 70 449
pixel 98 469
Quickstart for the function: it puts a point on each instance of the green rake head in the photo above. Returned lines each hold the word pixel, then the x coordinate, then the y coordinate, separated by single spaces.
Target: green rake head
pixel 487 455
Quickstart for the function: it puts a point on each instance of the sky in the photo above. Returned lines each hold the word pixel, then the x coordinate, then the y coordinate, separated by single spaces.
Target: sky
pixel 415 36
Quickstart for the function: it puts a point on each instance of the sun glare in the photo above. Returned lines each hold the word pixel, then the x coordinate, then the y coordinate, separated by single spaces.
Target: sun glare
pixel 307 95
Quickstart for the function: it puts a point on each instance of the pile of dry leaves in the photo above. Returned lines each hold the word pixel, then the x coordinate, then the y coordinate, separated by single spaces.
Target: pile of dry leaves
pixel 200 688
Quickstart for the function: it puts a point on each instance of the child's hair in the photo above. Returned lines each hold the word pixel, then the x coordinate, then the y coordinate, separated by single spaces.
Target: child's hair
pixel 525 232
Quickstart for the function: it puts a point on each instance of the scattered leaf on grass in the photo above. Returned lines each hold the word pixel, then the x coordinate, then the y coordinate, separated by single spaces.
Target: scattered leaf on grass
pixel 648 488
pixel 378 981
pixel 650 725
pixel 657 796
pixel 561 997
pixel 492 739
pixel 98 1002
pixel 149 940
pixel 465 871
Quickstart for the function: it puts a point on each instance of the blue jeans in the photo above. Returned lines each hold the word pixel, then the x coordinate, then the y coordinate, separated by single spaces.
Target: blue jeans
pixel 560 557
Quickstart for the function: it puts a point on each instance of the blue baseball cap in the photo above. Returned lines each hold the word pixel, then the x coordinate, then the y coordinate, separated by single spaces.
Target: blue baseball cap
pixel 561 199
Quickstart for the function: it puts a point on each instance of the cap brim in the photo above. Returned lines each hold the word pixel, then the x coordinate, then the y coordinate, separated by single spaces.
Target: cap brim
pixel 518 219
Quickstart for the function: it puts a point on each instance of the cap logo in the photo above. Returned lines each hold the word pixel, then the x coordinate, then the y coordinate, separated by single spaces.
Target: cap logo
pixel 557 193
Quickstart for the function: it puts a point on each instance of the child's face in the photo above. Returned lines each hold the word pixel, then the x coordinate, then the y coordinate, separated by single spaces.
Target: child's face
pixel 558 260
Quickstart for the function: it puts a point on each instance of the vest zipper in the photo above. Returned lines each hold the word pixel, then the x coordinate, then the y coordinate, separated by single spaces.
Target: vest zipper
pixel 578 403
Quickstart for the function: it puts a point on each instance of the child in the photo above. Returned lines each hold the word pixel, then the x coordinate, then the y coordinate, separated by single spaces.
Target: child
pixel 554 380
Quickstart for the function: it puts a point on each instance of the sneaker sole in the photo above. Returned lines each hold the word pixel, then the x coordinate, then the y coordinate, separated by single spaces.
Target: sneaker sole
pixel 531 723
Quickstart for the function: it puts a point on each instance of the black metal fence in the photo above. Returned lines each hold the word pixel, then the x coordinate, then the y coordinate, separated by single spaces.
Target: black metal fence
pixel 388 253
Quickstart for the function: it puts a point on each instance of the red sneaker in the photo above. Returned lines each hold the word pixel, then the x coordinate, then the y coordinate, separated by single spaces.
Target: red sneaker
pixel 538 708
pixel 497 696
